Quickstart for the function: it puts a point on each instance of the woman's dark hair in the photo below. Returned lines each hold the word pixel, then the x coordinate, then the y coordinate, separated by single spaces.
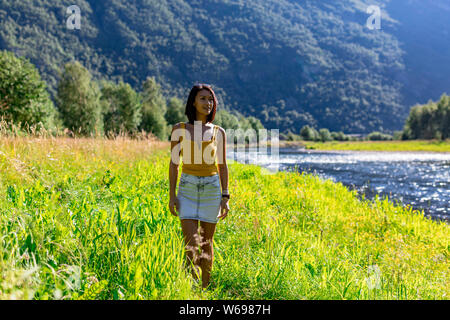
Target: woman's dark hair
pixel 190 108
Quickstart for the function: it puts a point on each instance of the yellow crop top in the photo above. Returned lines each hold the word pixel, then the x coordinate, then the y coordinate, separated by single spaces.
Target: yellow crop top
pixel 195 161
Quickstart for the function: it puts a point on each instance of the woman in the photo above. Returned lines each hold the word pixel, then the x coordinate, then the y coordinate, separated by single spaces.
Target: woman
pixel 199 198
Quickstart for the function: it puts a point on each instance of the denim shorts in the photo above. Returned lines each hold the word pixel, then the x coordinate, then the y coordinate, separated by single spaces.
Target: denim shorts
pixel 199 197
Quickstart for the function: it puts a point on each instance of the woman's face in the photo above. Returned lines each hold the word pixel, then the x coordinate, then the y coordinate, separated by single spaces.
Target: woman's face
pixel 204 102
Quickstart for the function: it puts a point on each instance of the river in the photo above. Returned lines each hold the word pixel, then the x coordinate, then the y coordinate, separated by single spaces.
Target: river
pixel 420 179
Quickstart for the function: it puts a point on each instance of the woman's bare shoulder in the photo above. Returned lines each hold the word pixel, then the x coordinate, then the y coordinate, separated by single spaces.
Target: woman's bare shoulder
pixel 176 126
pixel 221 131
pixel 176 133
pixel 219 128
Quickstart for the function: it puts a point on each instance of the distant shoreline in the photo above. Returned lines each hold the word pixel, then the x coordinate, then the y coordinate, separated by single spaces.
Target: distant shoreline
pixel 378 146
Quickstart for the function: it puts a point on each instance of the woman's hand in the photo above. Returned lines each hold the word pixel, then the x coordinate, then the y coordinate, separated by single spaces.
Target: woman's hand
pixel 174 205
pixel 224 208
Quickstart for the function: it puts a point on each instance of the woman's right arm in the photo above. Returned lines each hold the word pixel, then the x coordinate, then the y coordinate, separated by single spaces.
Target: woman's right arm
pixel 173 169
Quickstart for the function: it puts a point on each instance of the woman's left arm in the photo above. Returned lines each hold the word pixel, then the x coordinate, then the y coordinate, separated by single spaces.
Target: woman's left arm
pixel 223 171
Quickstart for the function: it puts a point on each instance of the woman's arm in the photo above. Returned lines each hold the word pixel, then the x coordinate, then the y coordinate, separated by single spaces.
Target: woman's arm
pixel 223 170
pixel 173 177
pixel 173 168
pixel 222 158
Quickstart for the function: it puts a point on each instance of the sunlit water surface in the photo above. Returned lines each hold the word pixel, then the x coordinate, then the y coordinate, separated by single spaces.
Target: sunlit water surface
pixel 421 179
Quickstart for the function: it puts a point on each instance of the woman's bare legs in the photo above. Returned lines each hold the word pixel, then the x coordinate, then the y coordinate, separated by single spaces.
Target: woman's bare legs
pixel 196 238
pixel 207 257
pixel 191 240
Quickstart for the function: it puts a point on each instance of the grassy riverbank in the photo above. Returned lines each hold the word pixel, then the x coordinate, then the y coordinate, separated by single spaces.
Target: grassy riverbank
pixel 83 218
pixel 408 145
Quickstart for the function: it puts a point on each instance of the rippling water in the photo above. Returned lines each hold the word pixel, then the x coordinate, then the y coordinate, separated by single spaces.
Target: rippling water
pixel 421 179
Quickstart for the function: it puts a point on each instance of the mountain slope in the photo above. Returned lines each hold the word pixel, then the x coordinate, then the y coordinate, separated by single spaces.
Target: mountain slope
pixel 288 62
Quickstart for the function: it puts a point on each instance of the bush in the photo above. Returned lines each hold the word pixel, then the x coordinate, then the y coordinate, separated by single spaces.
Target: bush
pixel 378 136
pixel 397 135
pixel 339 136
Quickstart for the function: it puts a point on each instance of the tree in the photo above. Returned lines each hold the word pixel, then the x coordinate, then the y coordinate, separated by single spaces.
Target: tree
pixel 429 121
pixel 122 107
pixel 244 124
pixel 78 99
pixel 325 135
pixel 23 95
pixel 309 134
pixel 443 114
pixel 412 125
pixel 255 123
pixel 175 111
pixel 153 110
pixel 226 120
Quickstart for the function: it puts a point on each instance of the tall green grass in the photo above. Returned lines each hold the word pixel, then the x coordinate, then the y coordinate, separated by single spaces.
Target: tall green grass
pixel 89 219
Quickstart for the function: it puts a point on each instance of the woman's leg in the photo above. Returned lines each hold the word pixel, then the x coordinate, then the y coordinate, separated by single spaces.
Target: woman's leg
pixel 191 240
pixel 207 257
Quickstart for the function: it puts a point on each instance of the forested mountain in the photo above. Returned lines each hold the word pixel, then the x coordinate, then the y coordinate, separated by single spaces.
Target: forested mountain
pixel 424 36
pixel 287 62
